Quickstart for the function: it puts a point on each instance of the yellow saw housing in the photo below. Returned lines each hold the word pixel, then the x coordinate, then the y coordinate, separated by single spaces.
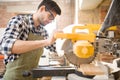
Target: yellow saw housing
pixel 83 49
pixel 81 41
pixel 82 46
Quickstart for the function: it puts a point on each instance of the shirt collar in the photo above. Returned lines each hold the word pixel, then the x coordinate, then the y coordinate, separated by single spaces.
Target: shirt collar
pixel 32 27
pixel 31 22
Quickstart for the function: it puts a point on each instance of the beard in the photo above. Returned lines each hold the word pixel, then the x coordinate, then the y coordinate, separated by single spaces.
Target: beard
pixel 41 22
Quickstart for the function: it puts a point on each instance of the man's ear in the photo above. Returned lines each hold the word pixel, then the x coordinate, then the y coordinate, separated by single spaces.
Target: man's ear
pixel 42 8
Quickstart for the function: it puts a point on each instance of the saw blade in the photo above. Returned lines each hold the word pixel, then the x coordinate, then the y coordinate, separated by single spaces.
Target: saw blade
pixel 71 57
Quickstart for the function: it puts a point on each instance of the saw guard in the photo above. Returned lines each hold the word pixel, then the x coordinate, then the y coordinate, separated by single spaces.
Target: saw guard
pixel 83 49
pixel 71 57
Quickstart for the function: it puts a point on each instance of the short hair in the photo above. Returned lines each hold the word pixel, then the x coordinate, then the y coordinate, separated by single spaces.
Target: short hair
pixel 51 5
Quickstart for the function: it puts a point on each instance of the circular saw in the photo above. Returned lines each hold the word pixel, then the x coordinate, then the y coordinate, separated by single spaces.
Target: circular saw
pixel 67 47
pixel 77 46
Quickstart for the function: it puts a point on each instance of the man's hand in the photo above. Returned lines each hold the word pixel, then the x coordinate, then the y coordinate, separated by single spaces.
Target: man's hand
pixel 52 39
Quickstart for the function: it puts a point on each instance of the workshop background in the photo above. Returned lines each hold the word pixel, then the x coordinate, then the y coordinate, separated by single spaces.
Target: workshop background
pixel 89 12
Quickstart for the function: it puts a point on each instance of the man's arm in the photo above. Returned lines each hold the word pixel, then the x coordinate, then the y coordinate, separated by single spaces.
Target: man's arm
pixel 25 46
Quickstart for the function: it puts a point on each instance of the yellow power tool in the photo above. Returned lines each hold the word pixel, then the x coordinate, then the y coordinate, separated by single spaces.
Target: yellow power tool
pixel 78 46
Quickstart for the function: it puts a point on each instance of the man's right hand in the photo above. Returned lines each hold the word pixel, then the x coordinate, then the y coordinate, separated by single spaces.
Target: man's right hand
pixel 52 38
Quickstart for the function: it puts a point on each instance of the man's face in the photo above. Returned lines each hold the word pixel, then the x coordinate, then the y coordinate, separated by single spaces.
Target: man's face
pixel 47 17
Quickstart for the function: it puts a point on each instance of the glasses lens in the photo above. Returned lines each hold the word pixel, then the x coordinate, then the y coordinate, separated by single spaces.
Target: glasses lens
pixel 51 17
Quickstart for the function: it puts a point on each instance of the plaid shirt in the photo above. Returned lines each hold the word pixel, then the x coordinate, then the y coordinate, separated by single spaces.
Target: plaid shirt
pixel 19 28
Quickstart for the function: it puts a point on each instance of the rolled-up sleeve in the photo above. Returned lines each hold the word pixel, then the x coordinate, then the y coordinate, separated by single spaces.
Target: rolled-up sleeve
pixel 12 31
pixel 6 46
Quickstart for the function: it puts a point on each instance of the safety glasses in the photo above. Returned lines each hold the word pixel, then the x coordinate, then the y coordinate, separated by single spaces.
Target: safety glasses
pixel 51 17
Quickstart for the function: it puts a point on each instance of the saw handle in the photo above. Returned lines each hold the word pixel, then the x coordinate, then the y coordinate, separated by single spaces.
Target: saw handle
pixel 81 28
pixel 76 36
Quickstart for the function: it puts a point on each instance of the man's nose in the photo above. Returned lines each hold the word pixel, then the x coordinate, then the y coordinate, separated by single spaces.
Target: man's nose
pixel 50 21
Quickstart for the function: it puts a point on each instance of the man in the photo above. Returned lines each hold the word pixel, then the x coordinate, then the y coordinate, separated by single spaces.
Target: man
pixel 24 39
